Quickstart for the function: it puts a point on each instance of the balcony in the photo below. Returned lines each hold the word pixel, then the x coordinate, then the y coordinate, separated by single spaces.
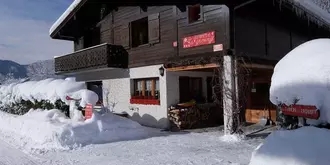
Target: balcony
pixel 96 57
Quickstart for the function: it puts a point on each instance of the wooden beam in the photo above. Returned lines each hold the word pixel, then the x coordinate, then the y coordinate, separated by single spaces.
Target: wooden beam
pixel 153 87
pixel 258 66
pixel 192 67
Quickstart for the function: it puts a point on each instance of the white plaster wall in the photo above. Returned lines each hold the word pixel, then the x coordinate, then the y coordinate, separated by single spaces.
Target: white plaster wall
pixel 119 94
pixel 173 93
pixel 117 86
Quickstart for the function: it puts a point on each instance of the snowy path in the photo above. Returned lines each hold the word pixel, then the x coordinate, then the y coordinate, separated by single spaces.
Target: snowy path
pixel 184 149
pixel 13 156
pixel 167 149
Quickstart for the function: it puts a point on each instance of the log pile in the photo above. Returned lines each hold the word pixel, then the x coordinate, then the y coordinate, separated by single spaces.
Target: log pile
pixel 187 117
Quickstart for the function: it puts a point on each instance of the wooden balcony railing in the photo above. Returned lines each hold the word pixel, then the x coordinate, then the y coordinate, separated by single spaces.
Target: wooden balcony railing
pixel 96 57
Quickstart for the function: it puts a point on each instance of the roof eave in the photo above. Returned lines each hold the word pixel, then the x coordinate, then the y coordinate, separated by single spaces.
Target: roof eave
pixel 69 14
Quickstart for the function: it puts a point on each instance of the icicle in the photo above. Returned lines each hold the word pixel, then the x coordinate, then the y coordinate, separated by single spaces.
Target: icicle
pixel 302 10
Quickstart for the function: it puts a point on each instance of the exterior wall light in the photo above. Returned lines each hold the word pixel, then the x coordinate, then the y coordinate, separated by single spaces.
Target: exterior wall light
pixel 161 71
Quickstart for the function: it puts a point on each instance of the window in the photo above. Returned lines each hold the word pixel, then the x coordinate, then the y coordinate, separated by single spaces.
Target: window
pixel 146 91
pixel 194 13
pixel 191 88
pixel 139 30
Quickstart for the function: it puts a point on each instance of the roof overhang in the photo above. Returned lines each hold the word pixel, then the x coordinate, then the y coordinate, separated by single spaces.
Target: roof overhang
pixel 65 17
pixel 314 11
pixel 69 14
pixel 308 8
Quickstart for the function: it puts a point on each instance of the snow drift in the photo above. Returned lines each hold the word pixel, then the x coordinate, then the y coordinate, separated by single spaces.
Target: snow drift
pixel 40 130
pixel 304 146
pixel 304 75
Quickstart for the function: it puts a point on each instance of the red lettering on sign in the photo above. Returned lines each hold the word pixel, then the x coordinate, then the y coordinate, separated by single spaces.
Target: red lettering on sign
pixel 199 40
pixel 306 111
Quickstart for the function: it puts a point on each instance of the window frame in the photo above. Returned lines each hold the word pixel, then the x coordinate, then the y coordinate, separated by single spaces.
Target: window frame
pixel 132 29
pixel 145 96
pixel 200 20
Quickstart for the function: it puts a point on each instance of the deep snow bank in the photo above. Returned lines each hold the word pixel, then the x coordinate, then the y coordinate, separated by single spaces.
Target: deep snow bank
pixel 40 130
pixel 304 146
pixel 48 89
pixel 304 74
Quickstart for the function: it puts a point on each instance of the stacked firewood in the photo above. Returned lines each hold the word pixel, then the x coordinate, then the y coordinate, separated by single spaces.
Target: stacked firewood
pixel 187 117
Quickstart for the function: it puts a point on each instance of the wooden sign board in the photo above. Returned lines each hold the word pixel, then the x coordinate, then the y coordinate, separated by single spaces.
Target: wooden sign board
pixel 305 111
pixel 217 47
pixel 199 40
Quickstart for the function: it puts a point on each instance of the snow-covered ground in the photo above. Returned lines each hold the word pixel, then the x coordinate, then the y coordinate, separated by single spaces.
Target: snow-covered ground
pixel 13 156
pixel 116 140
pixel 304 146
pixel 166 149
pixel 41 131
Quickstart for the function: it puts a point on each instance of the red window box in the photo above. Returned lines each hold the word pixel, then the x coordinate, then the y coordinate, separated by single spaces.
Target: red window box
pixel 147 100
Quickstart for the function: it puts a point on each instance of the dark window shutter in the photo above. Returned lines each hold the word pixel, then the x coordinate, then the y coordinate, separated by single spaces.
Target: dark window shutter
pixel 122 35
pixel 153 27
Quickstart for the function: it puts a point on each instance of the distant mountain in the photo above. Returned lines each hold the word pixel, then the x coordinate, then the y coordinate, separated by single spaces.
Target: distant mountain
pixel 41 70
pixel 10 70
pixel 13 68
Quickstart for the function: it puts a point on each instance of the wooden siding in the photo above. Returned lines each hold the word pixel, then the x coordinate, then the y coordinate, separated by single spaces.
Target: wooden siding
pixel 106 29
pixel 214 18
pixel 167 24
pixel 271 32
pixel 267 33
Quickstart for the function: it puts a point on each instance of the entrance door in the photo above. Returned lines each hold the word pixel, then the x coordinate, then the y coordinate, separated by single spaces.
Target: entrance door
pixel 258 104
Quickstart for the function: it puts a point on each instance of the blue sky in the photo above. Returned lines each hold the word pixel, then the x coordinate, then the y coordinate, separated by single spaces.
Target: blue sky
pixel 24 30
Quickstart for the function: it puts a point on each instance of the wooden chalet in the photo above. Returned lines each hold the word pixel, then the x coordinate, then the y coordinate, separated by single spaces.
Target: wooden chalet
pixel 149 56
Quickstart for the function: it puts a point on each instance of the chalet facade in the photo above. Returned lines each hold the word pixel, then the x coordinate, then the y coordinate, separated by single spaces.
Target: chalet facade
pixel 150 56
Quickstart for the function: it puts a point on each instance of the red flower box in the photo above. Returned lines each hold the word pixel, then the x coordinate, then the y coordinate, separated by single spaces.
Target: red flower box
pixel 144 100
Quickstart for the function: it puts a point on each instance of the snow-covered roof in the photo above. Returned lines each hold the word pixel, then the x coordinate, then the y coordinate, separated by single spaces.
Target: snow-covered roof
pixel 320 8
pixel 67 12
pixel 316 7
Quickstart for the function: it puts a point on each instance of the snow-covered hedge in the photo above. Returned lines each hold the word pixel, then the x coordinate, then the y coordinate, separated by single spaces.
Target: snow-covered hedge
pixel 20 97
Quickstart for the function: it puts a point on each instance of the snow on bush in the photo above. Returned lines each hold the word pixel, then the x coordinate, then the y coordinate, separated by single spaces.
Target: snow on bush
pixel 41 131
pixel 303 146
pixel 48 89
pixel 304 75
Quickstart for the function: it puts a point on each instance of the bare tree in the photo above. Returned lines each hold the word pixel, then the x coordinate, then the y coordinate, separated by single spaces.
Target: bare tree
pixel 109 105
pixel 229 88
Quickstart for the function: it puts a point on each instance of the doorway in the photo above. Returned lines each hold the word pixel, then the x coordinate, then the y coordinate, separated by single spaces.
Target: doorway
pixel 258 103
pixel 96 86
